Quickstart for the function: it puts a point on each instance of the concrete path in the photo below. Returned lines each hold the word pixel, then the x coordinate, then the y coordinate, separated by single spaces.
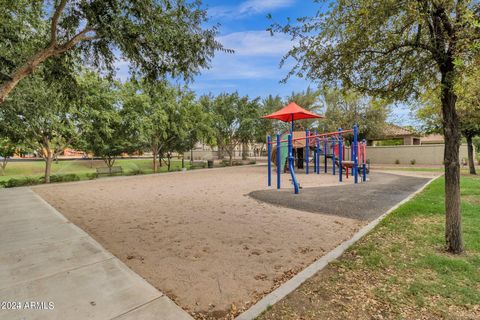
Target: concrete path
pixel 51 269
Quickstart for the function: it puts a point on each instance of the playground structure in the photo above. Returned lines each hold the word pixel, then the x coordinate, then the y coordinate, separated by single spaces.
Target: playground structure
pixel 325 145
pixel 329 145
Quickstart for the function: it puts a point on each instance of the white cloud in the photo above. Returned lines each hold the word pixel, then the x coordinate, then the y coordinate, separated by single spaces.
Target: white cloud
pixel 259 6
pixel 257 43
pixel 230 68
pixel 257 56
pixel 248 7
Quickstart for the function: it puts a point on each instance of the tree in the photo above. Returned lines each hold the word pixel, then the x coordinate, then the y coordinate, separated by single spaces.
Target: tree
pixel 395 49
pixel 199 128
pixel 44 116
pixel 345 108
pixel 183 123
pixel 163 118
pixel 231 120
pixel 269 105
pixel 7 150
pixel 249 123
pixel 144 116
pixel 468 90
pixel 101 127
pixel 158 37
pixel 468 108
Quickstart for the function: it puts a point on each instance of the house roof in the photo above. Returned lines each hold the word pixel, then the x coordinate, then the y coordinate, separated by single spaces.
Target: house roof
pixel 392 130
pixel 433 139
pixel 395 131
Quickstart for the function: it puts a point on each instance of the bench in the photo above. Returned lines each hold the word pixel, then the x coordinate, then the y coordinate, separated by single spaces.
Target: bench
pixel 199 164
pixel 107 170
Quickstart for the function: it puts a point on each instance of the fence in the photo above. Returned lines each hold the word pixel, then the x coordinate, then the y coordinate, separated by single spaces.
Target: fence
pixel 423 154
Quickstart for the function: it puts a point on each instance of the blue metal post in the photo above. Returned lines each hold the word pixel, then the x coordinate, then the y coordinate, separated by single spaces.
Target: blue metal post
pixel 340 155
pixel 307 150
pixel 355 155
pixel 316 155
pixel 364 161
pixel 325 148
pixel 279 163
pixel 269 150
pixel 333 157
pixel 317 159
pixel 291 163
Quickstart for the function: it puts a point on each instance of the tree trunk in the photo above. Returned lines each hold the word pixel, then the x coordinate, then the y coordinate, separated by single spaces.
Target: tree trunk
pixel 471 160
pixel 109 161
pixel 169 161
pixel 4 165
pixel 221 154
pixel 47 156
pixel 48 166
pixel 451 128
pixel 245 151
pixel 154 154
pixel 154 164
pixel 230 155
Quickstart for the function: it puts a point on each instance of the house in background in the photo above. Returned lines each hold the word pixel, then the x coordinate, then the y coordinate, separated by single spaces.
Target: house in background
pixel 395 135
pixel 433 139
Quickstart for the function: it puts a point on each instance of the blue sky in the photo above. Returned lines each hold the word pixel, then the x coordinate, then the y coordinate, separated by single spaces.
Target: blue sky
pixel 253 69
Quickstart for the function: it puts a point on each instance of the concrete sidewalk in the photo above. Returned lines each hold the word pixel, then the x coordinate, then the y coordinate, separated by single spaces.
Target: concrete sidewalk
pixel 51 269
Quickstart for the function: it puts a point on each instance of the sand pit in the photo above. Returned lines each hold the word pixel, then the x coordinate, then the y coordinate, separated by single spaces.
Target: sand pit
pixel 198 237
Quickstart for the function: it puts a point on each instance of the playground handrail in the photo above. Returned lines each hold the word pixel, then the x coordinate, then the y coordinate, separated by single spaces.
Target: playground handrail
pixel 316 136
pixel 337 145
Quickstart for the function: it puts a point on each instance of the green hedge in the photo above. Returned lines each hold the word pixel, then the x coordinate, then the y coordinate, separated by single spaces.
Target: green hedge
pixel 20 182
pixel 30 181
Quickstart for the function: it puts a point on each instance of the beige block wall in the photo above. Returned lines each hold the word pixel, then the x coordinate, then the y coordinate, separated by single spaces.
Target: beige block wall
pixel 423 154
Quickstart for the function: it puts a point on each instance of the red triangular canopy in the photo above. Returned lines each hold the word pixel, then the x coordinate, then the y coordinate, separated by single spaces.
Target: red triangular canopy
pixel 292 112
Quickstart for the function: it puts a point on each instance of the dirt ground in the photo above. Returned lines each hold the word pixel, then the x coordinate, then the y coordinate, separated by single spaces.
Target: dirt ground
pixel 198 237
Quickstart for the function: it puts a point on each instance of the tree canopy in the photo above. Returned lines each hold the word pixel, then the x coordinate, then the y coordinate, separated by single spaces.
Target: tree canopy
pixel 344 109
pixel 43 116
pixel 395 49
pixel 157 37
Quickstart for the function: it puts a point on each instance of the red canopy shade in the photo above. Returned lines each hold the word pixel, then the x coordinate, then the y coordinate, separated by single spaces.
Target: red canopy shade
pixel 291 113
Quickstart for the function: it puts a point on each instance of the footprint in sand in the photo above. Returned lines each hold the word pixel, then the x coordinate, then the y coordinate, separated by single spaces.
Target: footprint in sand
pixel 261 276
pixel 255 252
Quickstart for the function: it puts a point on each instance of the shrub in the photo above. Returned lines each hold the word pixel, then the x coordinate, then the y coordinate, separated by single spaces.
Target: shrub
pixel 412 162
pixel 91 176
pixel 252 162
pixel 20 182
pixel 135 172
pixel 226 163
pixel 64 177
pixel 198 165
pixel 397 161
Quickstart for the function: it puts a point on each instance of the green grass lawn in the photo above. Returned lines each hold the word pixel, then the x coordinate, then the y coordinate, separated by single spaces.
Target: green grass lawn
pixel 400 270
pixel 81 167
pixel 415 169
